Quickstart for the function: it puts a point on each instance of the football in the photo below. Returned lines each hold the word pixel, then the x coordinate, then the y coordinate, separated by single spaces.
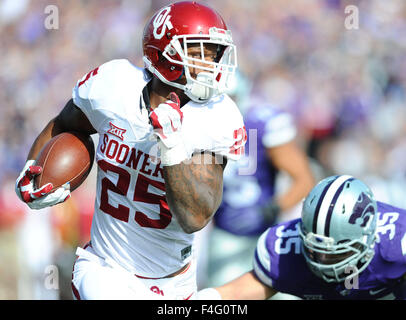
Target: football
pixel 67 157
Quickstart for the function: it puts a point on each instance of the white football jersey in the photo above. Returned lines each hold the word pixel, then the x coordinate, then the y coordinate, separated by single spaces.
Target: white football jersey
pixel 132 223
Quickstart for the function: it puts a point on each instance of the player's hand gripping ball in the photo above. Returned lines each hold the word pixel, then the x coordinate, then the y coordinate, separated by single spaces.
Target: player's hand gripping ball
pixel 61 166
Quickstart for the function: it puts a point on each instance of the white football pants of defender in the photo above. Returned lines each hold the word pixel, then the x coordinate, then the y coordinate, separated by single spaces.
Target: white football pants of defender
pixel 96 278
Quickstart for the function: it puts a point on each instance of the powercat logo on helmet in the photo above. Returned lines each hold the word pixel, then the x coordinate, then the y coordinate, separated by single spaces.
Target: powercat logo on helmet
pixel 363 210
pixel 162 19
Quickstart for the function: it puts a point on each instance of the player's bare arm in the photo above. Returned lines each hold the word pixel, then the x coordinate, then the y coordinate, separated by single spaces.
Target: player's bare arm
pixel 71 118
pixel 292 160
pixel 246 287
pixel 194 190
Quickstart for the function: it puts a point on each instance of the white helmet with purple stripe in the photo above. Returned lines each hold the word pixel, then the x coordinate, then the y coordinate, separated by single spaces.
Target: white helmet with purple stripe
pixel 338 229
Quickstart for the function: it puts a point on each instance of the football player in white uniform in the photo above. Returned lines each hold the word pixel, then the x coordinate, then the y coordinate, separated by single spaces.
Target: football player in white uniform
pixel 166 132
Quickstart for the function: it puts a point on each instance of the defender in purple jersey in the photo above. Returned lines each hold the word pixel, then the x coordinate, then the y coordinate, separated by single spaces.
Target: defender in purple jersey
pixel 345 246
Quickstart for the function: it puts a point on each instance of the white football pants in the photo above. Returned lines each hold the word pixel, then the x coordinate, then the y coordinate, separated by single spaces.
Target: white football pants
pixel 96 278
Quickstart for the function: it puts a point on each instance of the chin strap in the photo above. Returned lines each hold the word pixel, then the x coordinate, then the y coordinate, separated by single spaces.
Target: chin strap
pixel 181 75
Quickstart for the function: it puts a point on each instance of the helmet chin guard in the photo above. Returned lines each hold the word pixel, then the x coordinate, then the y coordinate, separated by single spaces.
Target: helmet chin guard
pixel 200 90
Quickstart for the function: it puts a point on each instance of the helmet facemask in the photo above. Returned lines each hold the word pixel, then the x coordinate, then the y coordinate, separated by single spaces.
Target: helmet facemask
pixel 214 77
pixel 332 262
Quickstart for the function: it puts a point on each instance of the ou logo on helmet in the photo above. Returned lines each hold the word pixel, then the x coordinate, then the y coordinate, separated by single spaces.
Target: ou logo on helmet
pixel 162 19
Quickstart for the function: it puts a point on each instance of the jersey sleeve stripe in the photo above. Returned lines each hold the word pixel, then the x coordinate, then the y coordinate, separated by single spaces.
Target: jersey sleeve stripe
pixel 261 272
pixel 262 260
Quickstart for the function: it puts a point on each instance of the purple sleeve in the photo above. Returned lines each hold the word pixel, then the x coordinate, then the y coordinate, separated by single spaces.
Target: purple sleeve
pixel 278 262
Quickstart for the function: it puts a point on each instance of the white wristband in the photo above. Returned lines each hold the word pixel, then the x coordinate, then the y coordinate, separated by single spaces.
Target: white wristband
pixel 172 156
pixel 209 294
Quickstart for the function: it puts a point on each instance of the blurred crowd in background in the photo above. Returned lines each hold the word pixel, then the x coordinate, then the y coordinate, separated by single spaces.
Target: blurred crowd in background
pixel 344 86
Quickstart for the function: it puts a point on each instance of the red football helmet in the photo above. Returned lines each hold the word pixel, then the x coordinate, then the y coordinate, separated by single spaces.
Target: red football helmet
pixel 167 37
